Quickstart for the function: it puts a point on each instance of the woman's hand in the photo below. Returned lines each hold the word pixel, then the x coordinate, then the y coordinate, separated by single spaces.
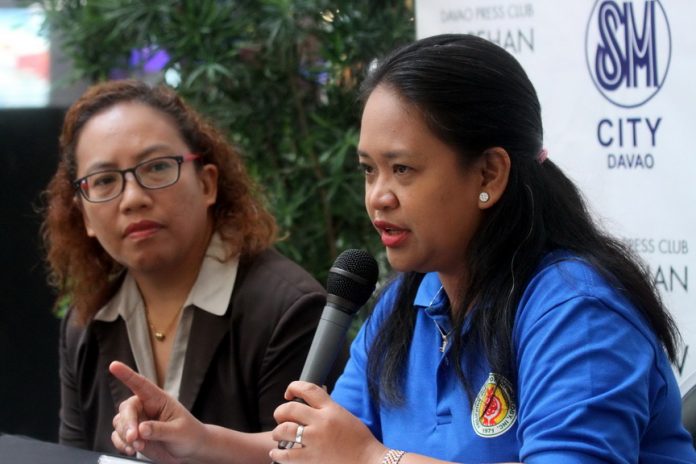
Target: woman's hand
pixel 330 433
pixel 152 422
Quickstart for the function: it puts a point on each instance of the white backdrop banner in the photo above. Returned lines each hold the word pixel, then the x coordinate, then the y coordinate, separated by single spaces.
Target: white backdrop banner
pixel 619 115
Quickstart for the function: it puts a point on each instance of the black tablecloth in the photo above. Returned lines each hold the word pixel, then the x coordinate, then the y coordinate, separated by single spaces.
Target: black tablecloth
pixel 23 450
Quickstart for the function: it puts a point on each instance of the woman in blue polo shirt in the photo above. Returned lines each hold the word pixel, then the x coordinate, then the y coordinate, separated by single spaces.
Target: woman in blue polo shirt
pixel 516 329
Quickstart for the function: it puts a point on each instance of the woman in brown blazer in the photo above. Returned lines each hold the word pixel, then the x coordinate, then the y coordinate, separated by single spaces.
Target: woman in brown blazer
pixel 154 234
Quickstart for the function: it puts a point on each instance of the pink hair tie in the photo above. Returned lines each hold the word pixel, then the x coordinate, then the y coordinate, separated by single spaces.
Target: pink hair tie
pixel 543 154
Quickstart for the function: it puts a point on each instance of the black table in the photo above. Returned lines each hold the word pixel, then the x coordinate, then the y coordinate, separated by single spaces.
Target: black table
pixel 16 449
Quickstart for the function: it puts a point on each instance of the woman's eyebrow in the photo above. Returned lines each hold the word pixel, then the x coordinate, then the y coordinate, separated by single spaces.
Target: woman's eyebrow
pixel 105 165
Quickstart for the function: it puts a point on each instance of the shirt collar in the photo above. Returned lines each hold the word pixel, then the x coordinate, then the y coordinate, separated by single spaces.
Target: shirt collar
pixel 430 294
pixel 211 292
pixel 213 288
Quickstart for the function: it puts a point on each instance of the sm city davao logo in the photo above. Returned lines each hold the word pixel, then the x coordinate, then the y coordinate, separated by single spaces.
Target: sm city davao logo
pixel 628 49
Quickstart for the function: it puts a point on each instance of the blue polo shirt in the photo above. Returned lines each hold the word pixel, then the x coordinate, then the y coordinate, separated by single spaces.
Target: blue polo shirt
pixel 594 385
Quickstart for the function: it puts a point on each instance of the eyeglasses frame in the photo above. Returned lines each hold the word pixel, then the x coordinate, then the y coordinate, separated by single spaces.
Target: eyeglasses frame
pixel 180 159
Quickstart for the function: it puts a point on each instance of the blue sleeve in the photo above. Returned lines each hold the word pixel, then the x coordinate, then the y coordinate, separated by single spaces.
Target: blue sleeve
pixel 586 365
pixel 351 390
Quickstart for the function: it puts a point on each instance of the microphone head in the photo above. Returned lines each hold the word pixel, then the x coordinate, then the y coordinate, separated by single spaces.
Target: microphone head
pixel 352 278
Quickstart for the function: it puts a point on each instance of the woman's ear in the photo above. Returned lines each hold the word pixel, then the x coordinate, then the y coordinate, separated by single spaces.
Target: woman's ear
pixel 208 176
pixel 495 171
pixel 77 202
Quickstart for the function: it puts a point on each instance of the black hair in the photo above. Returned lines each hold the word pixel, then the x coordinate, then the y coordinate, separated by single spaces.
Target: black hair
pixel 474 96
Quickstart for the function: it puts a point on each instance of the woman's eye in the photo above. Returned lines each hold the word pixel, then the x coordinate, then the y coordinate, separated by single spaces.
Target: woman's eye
pixel 158 166
pixel 365 168
pixel 401 169
pixel 104 179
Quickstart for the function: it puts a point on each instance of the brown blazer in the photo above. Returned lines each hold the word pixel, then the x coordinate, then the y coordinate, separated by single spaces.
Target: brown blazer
pixel 236 368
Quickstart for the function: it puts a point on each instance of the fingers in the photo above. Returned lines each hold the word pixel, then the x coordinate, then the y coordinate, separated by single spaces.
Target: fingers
pixel 122 373
pixel 120 445
pixel 133 431
pixel 125 423
pixel 290 432
pixel 149 402
pixel 161 431
pixel 310 393
pixel 147 391
pixel 293 411
pixel 294 437
pixel 313 399
pixel 285 455
pixel 130 437
pixel 153 399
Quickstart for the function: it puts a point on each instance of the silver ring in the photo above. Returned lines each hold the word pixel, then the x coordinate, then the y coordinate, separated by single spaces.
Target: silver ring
pixel 298 435
pixel 285 444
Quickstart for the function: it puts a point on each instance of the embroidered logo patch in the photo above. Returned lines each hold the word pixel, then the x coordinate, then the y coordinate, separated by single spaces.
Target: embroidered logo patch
pixel 494 412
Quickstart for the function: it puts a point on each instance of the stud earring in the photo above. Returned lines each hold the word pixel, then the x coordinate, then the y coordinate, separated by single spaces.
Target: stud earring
pixel 484 197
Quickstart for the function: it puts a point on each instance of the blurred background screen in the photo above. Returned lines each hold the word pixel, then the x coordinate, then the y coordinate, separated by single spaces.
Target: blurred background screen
pixel 25 61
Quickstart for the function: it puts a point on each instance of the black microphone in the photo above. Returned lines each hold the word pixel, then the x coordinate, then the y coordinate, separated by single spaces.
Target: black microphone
pixel 351 281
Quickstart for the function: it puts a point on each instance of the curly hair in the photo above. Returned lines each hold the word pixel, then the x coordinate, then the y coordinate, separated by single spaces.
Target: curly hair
pixel 79 268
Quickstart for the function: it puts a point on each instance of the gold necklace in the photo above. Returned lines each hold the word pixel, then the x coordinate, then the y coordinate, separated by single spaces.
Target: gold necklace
pixel 160 336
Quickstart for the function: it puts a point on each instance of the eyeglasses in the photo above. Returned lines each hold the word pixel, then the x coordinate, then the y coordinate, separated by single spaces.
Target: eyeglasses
pixel 153 174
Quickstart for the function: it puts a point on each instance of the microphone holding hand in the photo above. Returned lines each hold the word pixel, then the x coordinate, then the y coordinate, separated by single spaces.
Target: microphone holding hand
pixel 349 285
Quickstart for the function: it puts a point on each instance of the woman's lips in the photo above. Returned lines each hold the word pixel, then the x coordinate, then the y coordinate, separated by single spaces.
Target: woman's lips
pixel 391 234
pixel 142 229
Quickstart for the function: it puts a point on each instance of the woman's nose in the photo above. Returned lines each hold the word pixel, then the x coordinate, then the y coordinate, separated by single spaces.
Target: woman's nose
pixel 134 195
pixel 380 196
